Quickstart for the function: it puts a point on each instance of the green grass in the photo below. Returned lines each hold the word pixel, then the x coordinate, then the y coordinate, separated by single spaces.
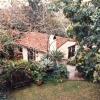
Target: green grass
pixel 69 90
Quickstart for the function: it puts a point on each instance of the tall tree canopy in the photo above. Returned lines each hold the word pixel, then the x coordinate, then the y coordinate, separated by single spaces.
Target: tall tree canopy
pixel 85 27
pixel 84 19
pixel 42 19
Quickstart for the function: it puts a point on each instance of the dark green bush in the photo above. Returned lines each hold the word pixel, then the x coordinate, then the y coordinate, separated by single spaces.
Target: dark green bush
pixel 11 67
pixel 58 74
pixel 87 65
pixel 39 72
pixel 72 61
pixel 96 74
pixel 60 71
pixel 54 70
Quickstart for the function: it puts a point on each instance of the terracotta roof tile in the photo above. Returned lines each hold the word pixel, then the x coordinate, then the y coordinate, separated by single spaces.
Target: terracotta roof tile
pixel 39 41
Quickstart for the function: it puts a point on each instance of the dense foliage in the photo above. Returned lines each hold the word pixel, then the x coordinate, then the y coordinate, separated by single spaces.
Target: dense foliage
pixel 56 56
pixel 35 71
pixel 88 63
pixel 18 24
pixel 85 27
pixel 84 21
pixel 6 42
pixel 96 74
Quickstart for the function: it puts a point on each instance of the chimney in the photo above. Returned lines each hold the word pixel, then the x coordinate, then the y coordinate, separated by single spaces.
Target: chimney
pixel 52 43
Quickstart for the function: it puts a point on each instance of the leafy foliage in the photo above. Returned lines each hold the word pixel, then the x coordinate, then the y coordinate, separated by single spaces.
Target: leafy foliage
pixel 56 55
pixel 37 71
pixel 96 74
pixel 5 37
pixel 85 21
pixel 86 70
pixel 10 66
pixel 96 2
pixel 88 64
pixel 60 71
pixel 19 25
pixel 42 17
pixel 6 40
pixel 85 27
pixel 58 74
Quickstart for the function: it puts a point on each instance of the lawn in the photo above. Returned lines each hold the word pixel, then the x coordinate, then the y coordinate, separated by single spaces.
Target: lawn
pixel 69 90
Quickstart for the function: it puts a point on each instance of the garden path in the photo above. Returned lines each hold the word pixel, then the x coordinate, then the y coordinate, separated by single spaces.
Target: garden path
pixel 73 73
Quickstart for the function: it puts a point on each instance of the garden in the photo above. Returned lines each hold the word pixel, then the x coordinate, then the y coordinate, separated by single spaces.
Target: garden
pixel 48 79
pixel 16 73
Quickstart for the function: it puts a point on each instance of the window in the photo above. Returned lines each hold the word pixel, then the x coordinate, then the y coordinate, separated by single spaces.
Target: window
pixel 71 51
pixel 32 53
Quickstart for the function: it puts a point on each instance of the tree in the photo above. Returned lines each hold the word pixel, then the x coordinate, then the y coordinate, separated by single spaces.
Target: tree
pixel 42 19
pixel 33 17
pixel 85 27
pixel 85 22
pixel 7 43
pixel 96 3
pixel 18 24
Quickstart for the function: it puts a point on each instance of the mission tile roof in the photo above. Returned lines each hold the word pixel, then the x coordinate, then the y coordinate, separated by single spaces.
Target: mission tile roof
pixel 39 41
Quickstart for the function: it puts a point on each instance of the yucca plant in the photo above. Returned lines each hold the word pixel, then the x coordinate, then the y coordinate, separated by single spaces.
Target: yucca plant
pixel 56 56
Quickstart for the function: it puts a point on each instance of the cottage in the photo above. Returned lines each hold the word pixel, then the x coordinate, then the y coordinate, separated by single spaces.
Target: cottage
pixel 34 45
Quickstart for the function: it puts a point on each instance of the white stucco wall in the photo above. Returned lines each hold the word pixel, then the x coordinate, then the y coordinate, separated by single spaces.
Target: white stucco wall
pixel 25 53
pixel 86 0
pixel 76 48
pixel 39 56
pixel 64 48
pixel 52 43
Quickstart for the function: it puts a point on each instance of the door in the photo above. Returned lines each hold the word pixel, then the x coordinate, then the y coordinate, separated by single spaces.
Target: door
pixel 71 51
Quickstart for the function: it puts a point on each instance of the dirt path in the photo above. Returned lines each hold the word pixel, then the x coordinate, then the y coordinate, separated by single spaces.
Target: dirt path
pixel 73 73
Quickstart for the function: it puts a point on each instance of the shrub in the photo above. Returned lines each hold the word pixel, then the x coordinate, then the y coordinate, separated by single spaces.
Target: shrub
pixel 60 71
pixel 55 71
pixel 88 66
pixel 56 56
pixel 58 74
pixel 13 68
pixel 96 74
pixel 47 62
pixel 18 24
pixel 85 66
pixel 38 72
pixel 72 61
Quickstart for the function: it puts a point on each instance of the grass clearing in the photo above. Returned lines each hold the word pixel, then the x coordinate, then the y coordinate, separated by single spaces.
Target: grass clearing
pixel 69 90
